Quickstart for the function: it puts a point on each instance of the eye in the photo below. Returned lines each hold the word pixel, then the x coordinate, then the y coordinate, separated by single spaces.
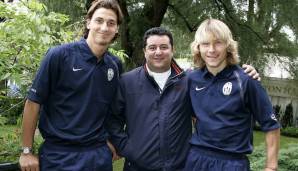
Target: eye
pixel 219 43
pixel 205 44
pixel 164 47
pixel 151 48
pixel 99 20
pixel 111 23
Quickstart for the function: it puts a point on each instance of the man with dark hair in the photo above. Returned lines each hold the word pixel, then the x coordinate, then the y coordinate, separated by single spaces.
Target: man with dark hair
pixel 152 101
pixel 73 88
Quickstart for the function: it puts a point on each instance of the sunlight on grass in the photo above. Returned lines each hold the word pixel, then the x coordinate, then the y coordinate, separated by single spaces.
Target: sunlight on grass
pixel 259 138
pixel 118 165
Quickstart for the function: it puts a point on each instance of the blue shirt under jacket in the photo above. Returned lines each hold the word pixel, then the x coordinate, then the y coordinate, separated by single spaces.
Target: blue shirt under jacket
pixel 150 128
pixel 75 91
pixel 226 107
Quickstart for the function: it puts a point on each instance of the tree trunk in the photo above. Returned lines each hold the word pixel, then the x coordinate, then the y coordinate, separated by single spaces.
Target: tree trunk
pixel 250 13
pixel 153 14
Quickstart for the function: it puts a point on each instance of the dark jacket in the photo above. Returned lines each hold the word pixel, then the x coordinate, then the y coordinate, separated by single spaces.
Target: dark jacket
pixel 150 128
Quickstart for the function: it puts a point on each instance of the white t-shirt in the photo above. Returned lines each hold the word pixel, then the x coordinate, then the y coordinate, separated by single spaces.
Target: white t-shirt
pixel 160 78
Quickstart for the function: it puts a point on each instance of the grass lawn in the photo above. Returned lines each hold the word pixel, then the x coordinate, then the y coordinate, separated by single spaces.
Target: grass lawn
pixel 6 129
pixel 259 138
pixel 118 165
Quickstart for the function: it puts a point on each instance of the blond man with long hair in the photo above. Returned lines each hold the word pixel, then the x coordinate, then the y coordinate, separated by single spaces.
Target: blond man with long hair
pixel 226 103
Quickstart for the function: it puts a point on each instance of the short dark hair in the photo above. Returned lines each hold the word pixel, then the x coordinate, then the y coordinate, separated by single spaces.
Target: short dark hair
pixel 108 4
pixel 160 31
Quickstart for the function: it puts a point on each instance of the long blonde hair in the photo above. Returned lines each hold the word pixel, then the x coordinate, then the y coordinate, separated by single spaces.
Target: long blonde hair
pixel 220 31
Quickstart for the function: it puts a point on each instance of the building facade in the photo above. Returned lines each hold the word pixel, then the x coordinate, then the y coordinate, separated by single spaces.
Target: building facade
pixel 284 96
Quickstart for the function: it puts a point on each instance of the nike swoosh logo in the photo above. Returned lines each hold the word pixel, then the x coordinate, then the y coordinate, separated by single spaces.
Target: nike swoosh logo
pixel 201 88
pixel 76 69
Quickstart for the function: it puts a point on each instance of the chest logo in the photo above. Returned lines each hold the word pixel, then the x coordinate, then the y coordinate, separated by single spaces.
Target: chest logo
pixel 76 69
pixel 110 74
pixel 227 88
pixel 199 89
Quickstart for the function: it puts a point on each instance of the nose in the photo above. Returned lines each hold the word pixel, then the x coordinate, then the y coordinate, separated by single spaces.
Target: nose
pixel 211 48
pixel 104 26
pixel 158 51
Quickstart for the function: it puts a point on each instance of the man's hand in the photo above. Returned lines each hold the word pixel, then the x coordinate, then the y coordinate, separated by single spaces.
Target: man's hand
pixel 113 150
pixel 29 162
pixel 251 71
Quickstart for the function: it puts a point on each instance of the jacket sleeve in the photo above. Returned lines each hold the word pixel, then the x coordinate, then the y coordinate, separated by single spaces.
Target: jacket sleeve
pixel 115 124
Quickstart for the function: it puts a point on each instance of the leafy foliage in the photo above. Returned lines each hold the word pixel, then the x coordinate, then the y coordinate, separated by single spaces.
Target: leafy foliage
pixel 261 27
pixel 10 142
pixel 290 132
pixel 287 118
pixel 74 9
pixel 11 109
pixel 26 33
pixel 288 158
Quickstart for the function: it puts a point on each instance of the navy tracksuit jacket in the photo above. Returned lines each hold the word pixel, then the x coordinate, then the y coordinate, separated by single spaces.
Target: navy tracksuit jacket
pixel 149 128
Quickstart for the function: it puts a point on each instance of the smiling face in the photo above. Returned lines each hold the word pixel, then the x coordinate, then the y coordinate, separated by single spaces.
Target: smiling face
pixel 158 53
pixel 214 46
pixel 214 53
pixel 102 27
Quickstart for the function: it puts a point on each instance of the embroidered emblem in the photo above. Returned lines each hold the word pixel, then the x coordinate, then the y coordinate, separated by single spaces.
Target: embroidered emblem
pixel 110 74
pixel 227 88
pixel 273 117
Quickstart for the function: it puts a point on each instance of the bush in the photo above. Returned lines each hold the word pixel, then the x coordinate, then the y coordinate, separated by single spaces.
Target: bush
pixel 26 32
pixel 287 118
pixel 11 109
pixel 290 132
pixel 10 142
pixel 288 158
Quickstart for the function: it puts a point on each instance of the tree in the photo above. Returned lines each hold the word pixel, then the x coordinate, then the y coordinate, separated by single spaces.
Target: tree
pixel 260 26
pixel 287 118
pixel 26 34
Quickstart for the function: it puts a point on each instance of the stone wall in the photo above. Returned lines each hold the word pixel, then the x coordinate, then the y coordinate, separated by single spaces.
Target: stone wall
pixel 283 92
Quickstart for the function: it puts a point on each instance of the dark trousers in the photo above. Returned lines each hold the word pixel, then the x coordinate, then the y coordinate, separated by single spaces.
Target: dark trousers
pixel 202 159
pixel 94 159
pixel 131 166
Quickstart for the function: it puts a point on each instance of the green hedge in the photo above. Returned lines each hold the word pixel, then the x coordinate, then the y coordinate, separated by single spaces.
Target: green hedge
pixel 288 131
pixel 288 158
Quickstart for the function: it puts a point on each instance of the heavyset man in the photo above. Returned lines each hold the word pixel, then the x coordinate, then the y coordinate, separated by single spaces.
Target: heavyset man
pixel 73 89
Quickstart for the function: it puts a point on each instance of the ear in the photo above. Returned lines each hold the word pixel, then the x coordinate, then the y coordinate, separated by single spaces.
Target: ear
pixel 117 29
pixel 88 23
